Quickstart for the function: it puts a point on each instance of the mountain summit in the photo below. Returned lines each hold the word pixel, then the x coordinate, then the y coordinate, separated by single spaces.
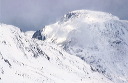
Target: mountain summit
pixel 77 21
pixel 82 47
pixel 89 16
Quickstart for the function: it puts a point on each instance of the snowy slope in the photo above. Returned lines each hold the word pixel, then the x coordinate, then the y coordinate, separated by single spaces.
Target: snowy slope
pixel 83 47
pixel 98 38
pixel 27 60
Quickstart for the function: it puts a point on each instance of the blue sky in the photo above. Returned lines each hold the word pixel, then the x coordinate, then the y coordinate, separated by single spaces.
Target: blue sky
pixel 35 14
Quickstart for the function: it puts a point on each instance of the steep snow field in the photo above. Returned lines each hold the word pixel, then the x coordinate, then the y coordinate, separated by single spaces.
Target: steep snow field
pixel 26 60
pixel 83 47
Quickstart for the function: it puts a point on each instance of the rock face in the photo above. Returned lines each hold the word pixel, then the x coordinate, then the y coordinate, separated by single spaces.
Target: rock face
pixel 38 35
pixel 83 47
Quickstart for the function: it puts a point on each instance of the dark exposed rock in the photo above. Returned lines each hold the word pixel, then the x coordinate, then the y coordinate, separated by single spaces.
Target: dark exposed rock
pixel 38 35
pixel 7 62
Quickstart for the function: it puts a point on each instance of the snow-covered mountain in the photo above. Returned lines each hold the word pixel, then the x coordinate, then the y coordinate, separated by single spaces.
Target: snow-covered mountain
pixel 98 38
pixel 83 47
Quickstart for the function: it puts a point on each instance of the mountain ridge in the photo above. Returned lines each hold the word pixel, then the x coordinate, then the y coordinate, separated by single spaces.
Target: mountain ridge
pixel 27 60
pixel 88 47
